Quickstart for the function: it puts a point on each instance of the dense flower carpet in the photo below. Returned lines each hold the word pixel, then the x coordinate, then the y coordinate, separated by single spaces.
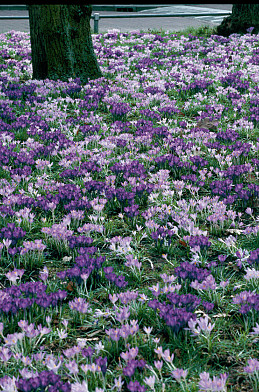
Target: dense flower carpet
pixel 129 230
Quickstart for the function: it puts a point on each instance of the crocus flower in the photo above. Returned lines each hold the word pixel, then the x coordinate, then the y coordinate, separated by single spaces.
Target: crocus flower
pixel 72 367
pixel 179 373
pixel 150 381
pixel 252 367
pixel 200 325
pixel 78 387
pixel 5 354
pixel 217 384
pixel 44 274
pixel 251 273
pixel 14 275
pixel 255 331
pixel 118 383
pixel 80 305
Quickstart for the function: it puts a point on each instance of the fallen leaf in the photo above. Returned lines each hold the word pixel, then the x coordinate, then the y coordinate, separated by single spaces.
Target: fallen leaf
pixel 207 124
pixel 91 339
pixel 70 286
pixel 183 243
pixel 234 231
pixel 251 177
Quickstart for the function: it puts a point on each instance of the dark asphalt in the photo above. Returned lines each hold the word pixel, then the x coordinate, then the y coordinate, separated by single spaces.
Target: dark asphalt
pixel 126 25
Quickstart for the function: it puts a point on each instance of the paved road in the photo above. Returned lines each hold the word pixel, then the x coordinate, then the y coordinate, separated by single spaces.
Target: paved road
pixel 125 25
pixel 204 8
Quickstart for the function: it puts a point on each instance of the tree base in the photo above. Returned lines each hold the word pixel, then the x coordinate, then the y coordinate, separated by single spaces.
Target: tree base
pixel 61 43
pixel 242 18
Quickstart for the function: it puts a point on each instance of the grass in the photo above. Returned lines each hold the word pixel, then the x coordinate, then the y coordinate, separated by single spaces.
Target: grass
pixel 131 258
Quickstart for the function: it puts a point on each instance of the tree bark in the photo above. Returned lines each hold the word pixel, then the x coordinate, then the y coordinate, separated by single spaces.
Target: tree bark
pixel 243 16
pixel 61 42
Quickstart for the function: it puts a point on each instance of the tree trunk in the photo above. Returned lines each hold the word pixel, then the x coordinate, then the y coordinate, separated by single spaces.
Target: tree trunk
pixel 61 42
pixel 243 16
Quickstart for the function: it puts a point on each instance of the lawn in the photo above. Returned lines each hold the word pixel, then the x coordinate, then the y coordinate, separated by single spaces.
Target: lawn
pixel 129 229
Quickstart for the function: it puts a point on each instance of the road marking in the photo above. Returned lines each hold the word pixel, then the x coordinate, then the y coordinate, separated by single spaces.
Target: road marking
pixel 182 9
pixel 212 19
